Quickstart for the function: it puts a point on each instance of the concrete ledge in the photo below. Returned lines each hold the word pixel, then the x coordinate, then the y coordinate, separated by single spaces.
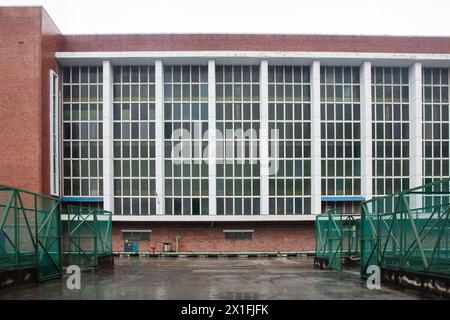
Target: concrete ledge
pixel 433 283
pixel 215 254
pixel 17 277
pixel 214 218
pixel 106 262
pixel 321 263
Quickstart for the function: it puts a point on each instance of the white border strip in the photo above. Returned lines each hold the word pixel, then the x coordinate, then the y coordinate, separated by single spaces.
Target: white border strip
pixel 212 218
pixel 54 109
pixel 238 230
pixel 249 54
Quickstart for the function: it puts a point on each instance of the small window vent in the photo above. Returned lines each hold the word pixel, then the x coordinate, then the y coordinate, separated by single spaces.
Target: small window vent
pixel 136 235
pixel 238 234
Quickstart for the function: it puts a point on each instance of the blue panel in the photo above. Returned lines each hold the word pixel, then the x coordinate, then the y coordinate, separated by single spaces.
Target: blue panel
pixel 342 199
pixel 81 199
pixel 135 247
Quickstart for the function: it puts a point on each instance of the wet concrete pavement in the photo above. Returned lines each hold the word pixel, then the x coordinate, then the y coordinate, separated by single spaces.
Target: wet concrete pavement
pixel 213 278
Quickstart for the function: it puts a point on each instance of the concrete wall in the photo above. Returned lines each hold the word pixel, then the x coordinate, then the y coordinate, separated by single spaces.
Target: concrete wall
pixel 205 238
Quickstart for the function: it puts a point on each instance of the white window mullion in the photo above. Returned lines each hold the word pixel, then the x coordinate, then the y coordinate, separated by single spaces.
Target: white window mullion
pixel 264 136
pixel 366 129
pixel 108 165
pixel 159 137
pixel 212 137
pixel 315 139
pixel 415 128
pixel 54 134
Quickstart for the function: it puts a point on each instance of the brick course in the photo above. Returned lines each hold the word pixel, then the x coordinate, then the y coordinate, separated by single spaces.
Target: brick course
pixel 198 238
pixel 260 42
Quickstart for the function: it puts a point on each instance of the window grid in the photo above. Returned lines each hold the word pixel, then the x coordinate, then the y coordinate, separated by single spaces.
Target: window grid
pixel 347 207
pixel 435 116
pixel 82 131
pixel 134 140
pixel 87 205
pixel 290 117
pixel 390 130
pixel 186 139
pixel 340 131
pixel 237 125
pixel 238 235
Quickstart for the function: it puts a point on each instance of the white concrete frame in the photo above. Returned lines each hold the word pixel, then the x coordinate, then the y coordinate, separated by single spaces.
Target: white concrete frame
pixel 364 60
pixel 264 136
pixel 159 137
pixel 108 156
pixel 366 129
pixel 415 125
pixel 216 218
pixel 55 134
pixel 212 137
pixel 315 139
pixel 356 58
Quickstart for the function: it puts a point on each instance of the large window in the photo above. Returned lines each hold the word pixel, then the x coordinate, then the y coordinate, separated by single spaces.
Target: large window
pixel 82 131
pixel 290 148
pixel 435 124
pixel 340 131
pixel 134 140
pixel 238 125
pixel 54 134
pixel 186 139
pixel 390 130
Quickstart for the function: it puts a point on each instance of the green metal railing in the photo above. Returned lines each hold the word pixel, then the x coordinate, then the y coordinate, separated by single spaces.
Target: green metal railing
pixel 408 231
pixel 337 237
pixel 88 236
pixel 30 232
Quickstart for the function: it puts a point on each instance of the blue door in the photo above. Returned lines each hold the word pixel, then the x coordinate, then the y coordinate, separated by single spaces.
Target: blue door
pixel 128 247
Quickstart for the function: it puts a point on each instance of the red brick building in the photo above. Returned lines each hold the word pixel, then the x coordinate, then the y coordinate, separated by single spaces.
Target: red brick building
pixel 97 121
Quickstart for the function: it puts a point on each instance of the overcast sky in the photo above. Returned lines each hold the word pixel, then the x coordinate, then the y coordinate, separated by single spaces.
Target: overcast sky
pixel 380 17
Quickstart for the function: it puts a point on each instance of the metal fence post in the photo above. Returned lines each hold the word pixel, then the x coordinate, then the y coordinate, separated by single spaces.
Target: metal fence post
pixel 36 232
pixel 16 229
pixel 95 237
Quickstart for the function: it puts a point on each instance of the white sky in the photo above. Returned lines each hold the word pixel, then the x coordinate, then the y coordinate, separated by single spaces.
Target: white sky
pixel 380 17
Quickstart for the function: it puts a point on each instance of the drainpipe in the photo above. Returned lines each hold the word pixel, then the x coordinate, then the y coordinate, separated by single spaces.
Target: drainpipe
pixel 177 239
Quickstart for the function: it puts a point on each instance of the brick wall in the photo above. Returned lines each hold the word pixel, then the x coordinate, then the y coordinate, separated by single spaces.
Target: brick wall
pixel 198 238
pixel 29 40
pixel 261 42
pixel 20 98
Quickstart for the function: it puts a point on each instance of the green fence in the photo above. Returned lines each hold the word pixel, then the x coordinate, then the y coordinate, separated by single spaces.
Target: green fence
pixel 408 231
pixel 88 236
pixel 30 232
pixel 337 237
